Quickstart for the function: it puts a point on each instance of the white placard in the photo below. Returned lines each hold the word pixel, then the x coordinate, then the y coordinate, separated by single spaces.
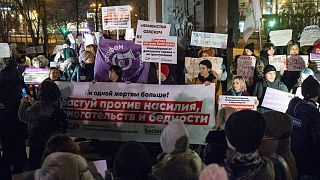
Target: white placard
pixel 151 28
pixel 205 39
pixel 116 17
pixel 192 67
pixel 281 37
pixel 71 38
pixel 245 68
pixel 136 112
pixel 278 61
pixel 4 50
pixel 309 35
pixel 276 100
pixel 129 34
pixel 238 102
pixel 35 75
pixel 161 49
pixel 88 39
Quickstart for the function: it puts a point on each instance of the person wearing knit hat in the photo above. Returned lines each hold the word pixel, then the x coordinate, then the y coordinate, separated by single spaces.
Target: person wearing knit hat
pixel 270 80
pixel 277 139
pixel 165 78
pixel 316 47
pixel 305 138
pixel 213 172
pixel 244 132
pixel 249 49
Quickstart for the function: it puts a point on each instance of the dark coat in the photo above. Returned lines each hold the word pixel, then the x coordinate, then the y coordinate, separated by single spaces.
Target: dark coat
pixel 215 151
pixel 261 87
pixel 305 138
pixel 244 93
pixel 83 73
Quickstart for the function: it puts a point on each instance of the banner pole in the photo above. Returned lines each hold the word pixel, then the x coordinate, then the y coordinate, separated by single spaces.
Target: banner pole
pixel 159 73
pixel 260 39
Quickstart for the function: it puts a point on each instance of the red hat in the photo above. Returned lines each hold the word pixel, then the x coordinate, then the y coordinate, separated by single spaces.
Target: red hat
pixel 165 69
pixel 316 46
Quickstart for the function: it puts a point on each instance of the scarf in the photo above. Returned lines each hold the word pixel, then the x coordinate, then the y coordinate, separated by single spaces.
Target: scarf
pixel 234 93
pixel 243 166
pixel 210 78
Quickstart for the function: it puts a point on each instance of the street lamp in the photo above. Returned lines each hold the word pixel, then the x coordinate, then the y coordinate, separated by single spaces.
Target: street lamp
pixel 96 6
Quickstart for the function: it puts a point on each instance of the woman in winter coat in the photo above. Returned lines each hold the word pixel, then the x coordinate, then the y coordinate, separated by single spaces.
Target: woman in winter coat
pixel 239 87
pixel 270 81
pixel 84 72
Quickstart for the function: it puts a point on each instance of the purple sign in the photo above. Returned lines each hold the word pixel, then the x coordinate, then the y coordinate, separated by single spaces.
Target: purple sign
pixel 125 54
pixel 314 56
pixel 35 75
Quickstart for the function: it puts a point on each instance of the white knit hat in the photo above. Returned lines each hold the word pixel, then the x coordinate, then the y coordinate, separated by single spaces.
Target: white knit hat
pixel 174 131
pixel 213 172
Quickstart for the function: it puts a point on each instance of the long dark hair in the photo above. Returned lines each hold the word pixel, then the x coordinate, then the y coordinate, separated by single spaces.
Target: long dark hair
pixel 49 92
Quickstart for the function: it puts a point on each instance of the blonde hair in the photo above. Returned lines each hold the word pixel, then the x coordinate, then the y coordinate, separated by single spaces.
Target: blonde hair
pixel 243 85
pixel 222 115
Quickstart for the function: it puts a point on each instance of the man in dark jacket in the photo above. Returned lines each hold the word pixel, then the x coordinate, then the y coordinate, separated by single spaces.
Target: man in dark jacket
pixel 12 131
pixel 306 129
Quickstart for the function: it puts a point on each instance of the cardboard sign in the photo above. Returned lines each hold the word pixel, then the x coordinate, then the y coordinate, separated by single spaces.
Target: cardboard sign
pixel 278 61
pixel 309 35
pixel 204 39
pixel 276 100
pixel 136 112
pixel 238 102
pixel 35 75
pixel 192 67
pixel 4 50
pixel 245 68
pixel 116 17
pixel 296 63
pixel 281 37
pixel 151 29
pixel 314 57
pixel 162 49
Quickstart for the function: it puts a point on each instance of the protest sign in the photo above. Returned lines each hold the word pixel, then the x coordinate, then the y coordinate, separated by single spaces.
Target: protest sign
pixel 136 112
pixel 4 50
pixel 71 38
pixel 281 37
pixel 278 61
pixel 204 39
pixel 129 34
pixel 35 75
pixel 88 39
pixel 151 28
pixel 125 54
pixel 276 100
pixel 35 50
pixel 245 68
pixel 238 102
pixel 314 57
pixel 309 35
pixel 192 67
pixel 297 62
pixel 161 49
pixel 116 17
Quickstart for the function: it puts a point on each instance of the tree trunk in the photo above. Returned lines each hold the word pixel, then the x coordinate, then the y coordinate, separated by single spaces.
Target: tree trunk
pixel 44 28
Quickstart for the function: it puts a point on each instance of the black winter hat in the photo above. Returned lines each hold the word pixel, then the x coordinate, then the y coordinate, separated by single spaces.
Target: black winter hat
pixel 268 68
pixel 278 124
pixel 250 47
pixel 310 88
pixel 245 129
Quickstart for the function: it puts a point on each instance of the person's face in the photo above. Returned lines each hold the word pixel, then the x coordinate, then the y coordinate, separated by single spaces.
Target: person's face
pixel 248 52
pixel 236 85
pixel 36 64
pixel 271 51
pixel 318 50
pixel 54 74
pixel 113 76
pixel 205 55
pixel 204 71
pixel 271 76
pixel 294 50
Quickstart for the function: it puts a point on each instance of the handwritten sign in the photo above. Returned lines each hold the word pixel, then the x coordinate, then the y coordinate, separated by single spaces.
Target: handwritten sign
pixel 151 28
pixel 281 37
pixel 276 100
pixel 238 102
pixel 192 67
pixel 204 39
pixel 309 35
pixel 245 68
pixel 116 17
pixel 4 50
pixel 35 75
pixel 314 57
pixel 296 63
pixel 278 61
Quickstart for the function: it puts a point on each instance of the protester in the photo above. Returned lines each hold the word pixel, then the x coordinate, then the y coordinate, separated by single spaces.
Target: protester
pixel 54 74
pixel 84 72
pixel 115 74
pixel 277 140
pixel 22 63
pixel 92 48
pixel 207 76
pixel 12 132
pixel 36 63
pixel 215 150
pixel 296 90
pixel 65 53
pixel 166 79
pixel 305 144
pixel 239 87
pixel 206 52
pixel 244 132
pixel 132 162
pixel 270 81
pixel 316 47
pixel 44 118
pixel 267 50
pixel 44 61
pixel 177 161
pixel 213 172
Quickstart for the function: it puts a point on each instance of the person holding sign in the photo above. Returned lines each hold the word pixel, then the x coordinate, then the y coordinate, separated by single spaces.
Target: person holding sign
pixel 84 72
pixel 267 50
pixel 239 87
pixel 305 137
pixel 54 74
pixel 206 76
pixel 316 47
pixel 270 81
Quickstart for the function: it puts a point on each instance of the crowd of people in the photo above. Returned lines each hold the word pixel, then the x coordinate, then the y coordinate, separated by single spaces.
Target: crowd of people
pixel 262 144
